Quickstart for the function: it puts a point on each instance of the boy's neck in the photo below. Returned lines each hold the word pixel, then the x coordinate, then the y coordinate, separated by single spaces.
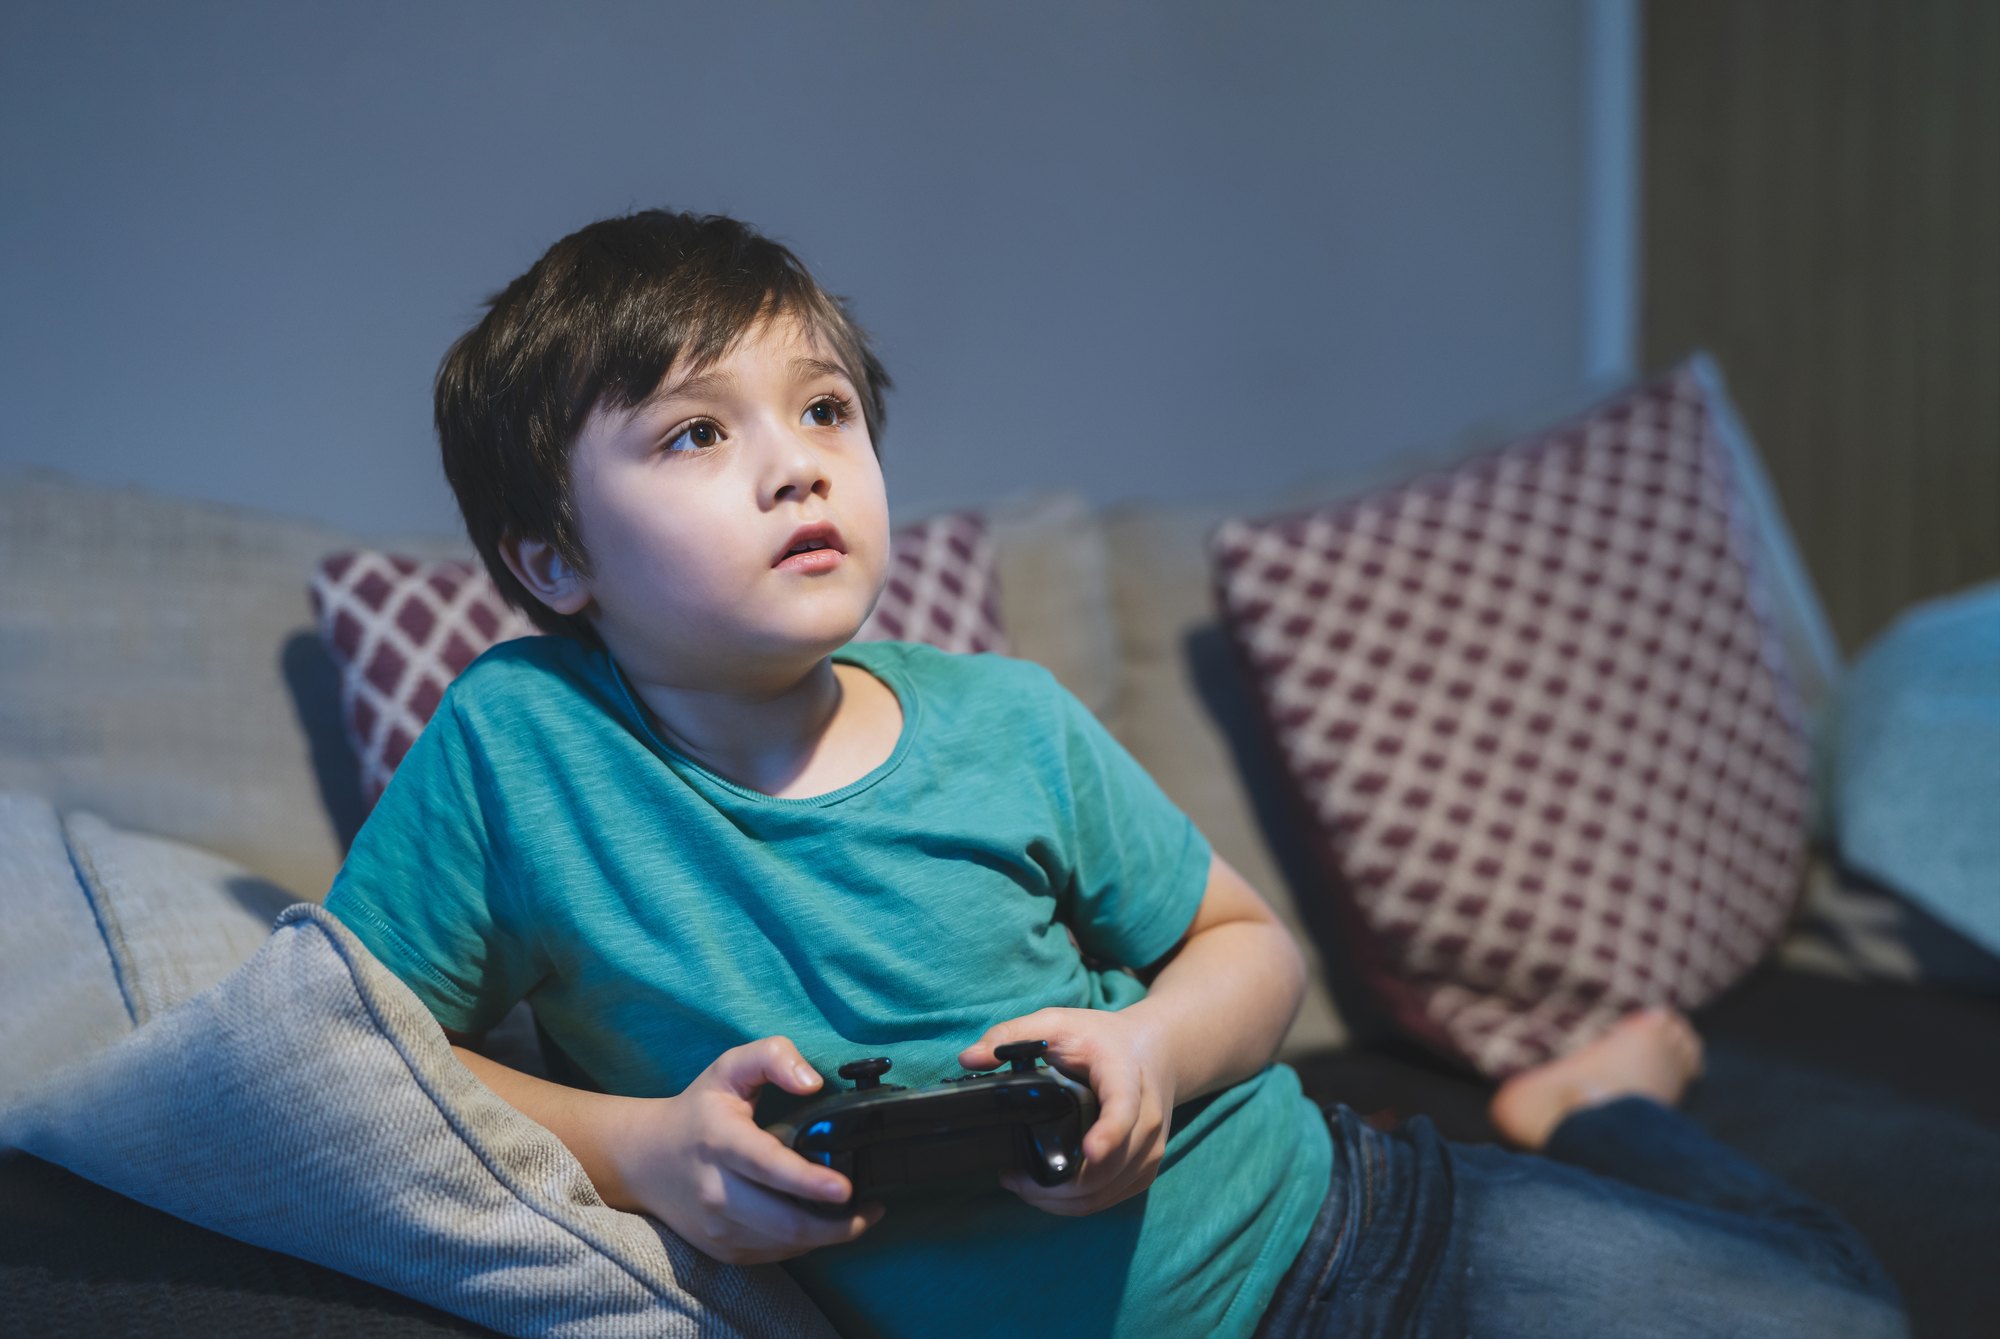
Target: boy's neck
pixel 826 730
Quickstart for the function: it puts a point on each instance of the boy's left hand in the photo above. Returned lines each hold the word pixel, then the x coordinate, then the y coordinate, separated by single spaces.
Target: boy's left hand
pixel 1117 1056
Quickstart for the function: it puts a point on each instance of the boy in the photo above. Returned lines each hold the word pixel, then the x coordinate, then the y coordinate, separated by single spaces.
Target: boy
pixel 723 850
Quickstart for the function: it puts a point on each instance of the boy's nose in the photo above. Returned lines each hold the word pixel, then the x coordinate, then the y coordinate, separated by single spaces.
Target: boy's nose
pixel 795 473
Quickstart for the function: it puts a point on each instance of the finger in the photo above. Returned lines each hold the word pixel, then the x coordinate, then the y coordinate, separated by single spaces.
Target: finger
pixel 1107 1146
pixel 1137 1159
pixel 777 1220
pixel 1085 1193
pixel 1078 1194
pixel 754 1224
pixel 1105 1179
pixel 744 1069
pixel 760 1157
pixel 1133 1170
pixel 1126 1165
pixel 1117 1113
pixel 1028 1027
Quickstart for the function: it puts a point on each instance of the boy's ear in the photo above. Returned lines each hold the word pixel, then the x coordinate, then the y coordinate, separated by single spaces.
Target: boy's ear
pixel 548 576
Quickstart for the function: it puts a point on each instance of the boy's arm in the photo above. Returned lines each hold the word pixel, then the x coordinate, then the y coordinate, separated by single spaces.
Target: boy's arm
pixel 697 1161
pixel 1227 993
pixel 1217 1007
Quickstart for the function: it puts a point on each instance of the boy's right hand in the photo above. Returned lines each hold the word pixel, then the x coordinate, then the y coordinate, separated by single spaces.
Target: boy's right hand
pixel 700 1163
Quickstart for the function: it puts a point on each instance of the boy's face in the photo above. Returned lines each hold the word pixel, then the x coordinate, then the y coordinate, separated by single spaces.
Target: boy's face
pixel 689 504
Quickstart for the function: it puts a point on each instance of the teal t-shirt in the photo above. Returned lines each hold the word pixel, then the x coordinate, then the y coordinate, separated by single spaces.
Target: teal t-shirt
pixel 540 842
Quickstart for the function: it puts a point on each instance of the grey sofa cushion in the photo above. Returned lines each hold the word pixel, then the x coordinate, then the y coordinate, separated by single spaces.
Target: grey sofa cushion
pixel 150 649
pixel 108 928
pixel 1055 598
pixel 1172 658
pixel 59 994
pixel 308 1104
pixel 176 919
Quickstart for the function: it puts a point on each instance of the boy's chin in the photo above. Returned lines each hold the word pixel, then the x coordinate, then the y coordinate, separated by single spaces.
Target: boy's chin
pixel 794 652
pixel 735 654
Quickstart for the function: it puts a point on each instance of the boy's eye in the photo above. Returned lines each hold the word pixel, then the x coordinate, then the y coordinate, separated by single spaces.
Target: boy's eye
pixel 828 412
pixel 695 436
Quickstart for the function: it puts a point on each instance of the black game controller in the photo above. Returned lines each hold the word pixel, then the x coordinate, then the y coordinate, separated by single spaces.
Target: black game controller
pixel 887 1138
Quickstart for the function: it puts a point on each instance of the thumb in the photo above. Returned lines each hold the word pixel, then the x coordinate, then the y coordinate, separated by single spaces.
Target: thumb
pixel 743 1070
pixel 980 1055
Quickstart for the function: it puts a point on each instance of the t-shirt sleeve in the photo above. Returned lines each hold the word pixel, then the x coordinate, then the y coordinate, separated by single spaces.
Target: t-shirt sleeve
pixel 424 889
pixel 1137 865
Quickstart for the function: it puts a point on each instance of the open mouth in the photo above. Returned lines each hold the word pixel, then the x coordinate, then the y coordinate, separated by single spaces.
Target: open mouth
pixel 812 547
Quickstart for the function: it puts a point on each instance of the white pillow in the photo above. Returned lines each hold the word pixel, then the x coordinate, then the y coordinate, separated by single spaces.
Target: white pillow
pixel 106 929
pixel 59 995
pixel 308 1104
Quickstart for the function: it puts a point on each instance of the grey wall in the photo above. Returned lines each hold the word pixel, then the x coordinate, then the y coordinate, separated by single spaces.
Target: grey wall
pixel 1144 250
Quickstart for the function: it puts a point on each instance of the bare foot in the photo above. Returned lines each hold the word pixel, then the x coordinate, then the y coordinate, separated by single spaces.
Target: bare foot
pixel 1652 1053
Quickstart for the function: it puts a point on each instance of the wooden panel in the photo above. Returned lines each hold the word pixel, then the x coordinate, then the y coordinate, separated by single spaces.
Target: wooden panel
pixel 1822 211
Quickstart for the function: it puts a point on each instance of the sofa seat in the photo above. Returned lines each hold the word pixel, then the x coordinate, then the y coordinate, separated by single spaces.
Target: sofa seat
pixel 1881 1099
pixel 79 1260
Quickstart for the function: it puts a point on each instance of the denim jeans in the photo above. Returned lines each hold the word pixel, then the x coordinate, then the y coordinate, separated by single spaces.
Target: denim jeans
pixel 1632 1222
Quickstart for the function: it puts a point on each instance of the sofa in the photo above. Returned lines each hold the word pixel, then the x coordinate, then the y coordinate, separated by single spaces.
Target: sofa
pixel 170 724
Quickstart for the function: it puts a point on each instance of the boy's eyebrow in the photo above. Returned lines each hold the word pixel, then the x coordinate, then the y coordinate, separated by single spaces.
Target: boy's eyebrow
pixel 697 383
pixel 703 383
pixel 819 367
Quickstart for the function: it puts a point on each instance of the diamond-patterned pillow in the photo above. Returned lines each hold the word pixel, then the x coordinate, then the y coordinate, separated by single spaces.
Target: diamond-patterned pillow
pixel 943 587
pixel 401 629
pixel 1535 717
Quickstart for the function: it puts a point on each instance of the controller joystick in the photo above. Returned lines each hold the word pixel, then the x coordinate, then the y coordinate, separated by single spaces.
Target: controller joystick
pixel 1021 1055
pixel 865 1074
pixel 969 1128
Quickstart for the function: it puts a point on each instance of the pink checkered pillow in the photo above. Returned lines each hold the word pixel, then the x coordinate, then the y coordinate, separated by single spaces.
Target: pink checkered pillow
pixel 401 629
pixel 943 587
pixel 1539 726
